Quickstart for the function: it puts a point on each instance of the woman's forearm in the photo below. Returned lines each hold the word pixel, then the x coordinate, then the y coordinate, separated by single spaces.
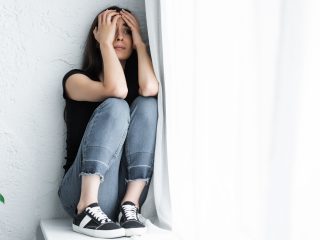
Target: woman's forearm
pixel 113 74
pixel 148 82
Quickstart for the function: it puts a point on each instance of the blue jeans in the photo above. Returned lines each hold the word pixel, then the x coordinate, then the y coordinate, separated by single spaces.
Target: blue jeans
pixel 118 145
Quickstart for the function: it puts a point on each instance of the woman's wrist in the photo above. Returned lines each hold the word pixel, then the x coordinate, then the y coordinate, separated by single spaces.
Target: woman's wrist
pixel 106 49
pixel 106 45
pixel 141 46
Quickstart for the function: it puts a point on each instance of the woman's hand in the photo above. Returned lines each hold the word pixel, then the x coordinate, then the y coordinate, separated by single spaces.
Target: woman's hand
pixel 106 30
pixel 133 24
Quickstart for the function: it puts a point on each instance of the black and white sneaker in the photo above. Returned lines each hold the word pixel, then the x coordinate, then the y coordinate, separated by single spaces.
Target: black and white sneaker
pixel 94 222
pixel 128 219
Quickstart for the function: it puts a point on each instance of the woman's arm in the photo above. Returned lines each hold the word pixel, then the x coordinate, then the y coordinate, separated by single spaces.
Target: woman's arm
pixel 113 74
pixel 148 82
pixel 81 88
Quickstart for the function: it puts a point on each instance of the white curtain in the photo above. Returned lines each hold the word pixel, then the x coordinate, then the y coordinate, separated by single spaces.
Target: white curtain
pixel 157 206
pixel 241 118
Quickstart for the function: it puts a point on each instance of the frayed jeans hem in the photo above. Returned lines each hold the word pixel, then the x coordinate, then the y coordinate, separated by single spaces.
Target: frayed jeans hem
pixel 138 179
pixel 93 174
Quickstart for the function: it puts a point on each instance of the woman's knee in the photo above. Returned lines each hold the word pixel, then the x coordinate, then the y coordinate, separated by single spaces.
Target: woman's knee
pixel 146 108
pixel 116 108
pixel 147 102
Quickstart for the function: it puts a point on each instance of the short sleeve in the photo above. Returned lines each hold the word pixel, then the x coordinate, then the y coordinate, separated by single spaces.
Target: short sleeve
pixel 66 76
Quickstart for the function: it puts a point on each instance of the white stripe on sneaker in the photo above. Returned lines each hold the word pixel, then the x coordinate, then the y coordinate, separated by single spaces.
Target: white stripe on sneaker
pixel 85 221
pixel 120 216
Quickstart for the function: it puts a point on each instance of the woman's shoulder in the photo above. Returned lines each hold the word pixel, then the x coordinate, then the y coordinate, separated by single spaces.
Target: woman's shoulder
pixel 89 74
pixel 67 75
pixel 74 71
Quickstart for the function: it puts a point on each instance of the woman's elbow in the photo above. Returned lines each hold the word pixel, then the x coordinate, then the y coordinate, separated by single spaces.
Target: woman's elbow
pixel 120 93
pixel 149 90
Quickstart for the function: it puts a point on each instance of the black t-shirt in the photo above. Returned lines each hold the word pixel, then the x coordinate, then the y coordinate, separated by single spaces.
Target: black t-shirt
pixel 77 115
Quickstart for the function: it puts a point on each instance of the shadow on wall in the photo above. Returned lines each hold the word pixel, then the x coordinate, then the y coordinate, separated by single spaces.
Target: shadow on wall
pixel 39 235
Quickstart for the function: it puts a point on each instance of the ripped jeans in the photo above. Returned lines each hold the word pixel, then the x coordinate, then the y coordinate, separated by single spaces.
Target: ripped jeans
pixel 118 145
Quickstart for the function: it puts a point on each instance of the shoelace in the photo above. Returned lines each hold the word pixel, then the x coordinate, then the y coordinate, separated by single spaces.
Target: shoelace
pixel 99 214
pixel 130 212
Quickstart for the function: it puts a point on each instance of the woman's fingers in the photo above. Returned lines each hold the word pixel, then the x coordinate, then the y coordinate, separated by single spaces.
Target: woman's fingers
pixel 128 22
pixel 132 25
pixel 125 17
pixel 110 15
pixel 130 17
pixel 99 20
pixel 102 16
pixel 115 19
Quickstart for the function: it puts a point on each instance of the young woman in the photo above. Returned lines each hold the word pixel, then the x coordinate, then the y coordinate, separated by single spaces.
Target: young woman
pixel 111 117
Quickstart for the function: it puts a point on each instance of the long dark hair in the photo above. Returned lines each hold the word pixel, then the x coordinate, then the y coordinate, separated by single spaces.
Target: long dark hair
pixel 92 61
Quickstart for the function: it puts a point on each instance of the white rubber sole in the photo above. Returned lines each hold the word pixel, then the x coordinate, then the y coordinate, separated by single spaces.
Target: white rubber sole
pixel 100 233
pixel 135 231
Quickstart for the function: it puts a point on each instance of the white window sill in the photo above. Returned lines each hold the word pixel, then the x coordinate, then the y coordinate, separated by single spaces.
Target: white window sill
pixel 60 229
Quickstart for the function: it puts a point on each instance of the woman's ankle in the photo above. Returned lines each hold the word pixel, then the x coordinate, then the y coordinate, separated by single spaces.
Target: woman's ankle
pixel 136 203
pixel 83 204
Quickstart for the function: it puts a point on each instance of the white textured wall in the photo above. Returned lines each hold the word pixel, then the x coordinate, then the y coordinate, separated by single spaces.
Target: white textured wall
pixel 39 41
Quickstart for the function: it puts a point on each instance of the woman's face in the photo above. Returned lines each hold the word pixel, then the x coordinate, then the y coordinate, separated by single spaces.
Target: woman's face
pixel 123 40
